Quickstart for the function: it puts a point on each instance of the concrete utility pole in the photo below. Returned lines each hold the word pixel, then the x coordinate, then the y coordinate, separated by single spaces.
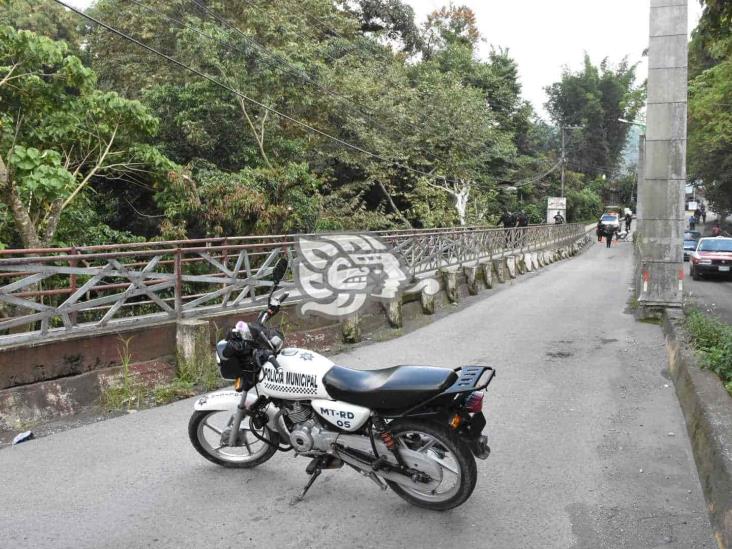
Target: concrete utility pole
pixel 661 189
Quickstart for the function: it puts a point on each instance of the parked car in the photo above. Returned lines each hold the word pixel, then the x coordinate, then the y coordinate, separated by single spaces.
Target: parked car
pixel 712 255
pixel 691 239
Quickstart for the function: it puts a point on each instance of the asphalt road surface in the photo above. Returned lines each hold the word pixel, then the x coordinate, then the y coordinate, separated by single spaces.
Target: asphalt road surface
pixel 712 294
pixel 589 448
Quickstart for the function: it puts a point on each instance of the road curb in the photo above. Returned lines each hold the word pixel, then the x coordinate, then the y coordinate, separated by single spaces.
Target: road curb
pixel 707 408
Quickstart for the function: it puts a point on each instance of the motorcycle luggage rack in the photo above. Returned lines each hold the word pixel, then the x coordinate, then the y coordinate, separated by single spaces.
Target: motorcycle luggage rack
pixel 469 380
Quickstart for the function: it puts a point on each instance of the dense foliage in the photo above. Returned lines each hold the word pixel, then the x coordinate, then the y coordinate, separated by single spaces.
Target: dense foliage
pixel 710 103
pixel 115 143
pixel 712 339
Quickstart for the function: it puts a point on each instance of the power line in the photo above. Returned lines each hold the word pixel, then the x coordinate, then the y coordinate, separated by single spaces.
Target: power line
pixel 360 106
pixel 278 61
pixel 236 92
pixel 525 182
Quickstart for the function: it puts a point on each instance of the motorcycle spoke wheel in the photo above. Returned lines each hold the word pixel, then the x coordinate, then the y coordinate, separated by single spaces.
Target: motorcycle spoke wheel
pixel 430 447
pixel 210 434
pixel 452 465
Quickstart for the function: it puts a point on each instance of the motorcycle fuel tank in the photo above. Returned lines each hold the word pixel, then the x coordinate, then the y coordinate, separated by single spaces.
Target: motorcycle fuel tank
pixel 300 376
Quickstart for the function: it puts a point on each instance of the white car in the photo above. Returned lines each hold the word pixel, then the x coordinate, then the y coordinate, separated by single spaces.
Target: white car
pixel 610 222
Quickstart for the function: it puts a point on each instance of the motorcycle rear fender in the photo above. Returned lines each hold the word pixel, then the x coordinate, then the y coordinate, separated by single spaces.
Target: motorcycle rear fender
pixel 229 399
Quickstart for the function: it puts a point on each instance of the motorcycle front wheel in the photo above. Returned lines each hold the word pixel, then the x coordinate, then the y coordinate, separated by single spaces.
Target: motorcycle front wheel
pixel 209 433
pixel 441 445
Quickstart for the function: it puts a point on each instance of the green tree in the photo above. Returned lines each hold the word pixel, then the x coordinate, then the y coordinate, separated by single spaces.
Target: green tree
pixel 58 134
pixel 710 103
pixel 595 98
pixel 44 17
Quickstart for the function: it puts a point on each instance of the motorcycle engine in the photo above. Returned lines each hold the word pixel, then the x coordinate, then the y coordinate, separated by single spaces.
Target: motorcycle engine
pixel 307 434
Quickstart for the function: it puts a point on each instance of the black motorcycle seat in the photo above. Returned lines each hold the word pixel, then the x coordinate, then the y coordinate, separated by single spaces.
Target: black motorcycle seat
pixel 395 388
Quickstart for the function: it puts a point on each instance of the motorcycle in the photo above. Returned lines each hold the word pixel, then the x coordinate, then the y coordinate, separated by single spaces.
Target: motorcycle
pixel 414 429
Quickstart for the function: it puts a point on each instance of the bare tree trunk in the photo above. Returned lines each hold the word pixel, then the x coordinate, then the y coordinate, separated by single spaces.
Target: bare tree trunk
pixel 23 221
pixel 393 206
pixel 461 202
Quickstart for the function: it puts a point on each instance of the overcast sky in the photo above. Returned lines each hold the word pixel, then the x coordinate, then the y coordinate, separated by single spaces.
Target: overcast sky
pixel 545 35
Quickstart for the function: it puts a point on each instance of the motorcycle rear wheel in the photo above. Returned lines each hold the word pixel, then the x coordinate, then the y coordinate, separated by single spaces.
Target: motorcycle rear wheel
pixel 207 431
pixel 442 445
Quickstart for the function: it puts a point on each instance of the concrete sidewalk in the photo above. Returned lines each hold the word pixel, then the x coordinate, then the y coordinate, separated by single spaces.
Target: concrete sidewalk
pixel 589 447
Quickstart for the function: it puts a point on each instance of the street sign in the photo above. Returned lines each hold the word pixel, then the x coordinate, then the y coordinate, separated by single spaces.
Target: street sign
pixel 555 205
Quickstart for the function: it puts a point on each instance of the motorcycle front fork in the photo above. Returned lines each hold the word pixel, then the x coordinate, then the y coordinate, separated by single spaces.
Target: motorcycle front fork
pixel 237 418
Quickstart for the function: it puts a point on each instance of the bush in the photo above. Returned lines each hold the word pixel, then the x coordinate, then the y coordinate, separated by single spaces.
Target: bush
pixel 713 341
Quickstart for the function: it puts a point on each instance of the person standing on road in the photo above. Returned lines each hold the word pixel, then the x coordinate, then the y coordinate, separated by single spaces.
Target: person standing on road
pixel 599 230
pixel 609 233
pixel 692 223
pixel 628 222
pixel 703 210
pixel 716 229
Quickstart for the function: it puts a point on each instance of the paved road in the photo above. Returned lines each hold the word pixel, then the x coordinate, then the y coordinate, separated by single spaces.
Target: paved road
pixel 589 448
pixel 712 294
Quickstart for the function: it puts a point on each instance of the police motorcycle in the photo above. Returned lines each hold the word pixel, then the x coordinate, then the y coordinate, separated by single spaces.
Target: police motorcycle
pixel 414 429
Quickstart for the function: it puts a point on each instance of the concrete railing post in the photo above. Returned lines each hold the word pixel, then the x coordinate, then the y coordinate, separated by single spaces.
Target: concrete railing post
pixel 520 264
pixel 427 300
pixel 449 277
pixel 351 329
pixel 499 266
pixel 511 266
pixel 193 347
pixel 393 309
pixel 471 279
pixel 486 267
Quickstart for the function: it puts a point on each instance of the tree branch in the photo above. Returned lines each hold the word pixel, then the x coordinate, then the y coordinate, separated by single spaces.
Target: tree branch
pixel 94 170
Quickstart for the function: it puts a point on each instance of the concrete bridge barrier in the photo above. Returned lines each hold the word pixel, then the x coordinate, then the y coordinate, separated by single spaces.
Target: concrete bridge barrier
pixel 175 299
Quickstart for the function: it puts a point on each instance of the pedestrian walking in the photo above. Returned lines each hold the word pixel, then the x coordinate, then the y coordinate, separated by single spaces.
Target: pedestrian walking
pixel 628 221
pixel 703 209
pixel 599 230
pixel 716 229
pixel 522 220
pixel 609 233
pixel 508 219
pixel 509 222
pixel 559 218
pixel 692 223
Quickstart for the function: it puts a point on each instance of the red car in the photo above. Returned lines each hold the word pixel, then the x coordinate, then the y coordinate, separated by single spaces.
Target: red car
pixel 712 255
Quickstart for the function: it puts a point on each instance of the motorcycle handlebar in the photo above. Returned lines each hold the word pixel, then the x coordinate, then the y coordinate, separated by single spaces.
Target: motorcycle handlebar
pixel 262 356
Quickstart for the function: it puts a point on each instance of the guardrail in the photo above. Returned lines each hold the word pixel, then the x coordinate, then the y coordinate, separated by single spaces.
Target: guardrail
pixel 52 292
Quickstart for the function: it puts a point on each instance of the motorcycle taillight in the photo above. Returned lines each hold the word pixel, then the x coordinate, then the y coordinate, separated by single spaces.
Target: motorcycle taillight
pixel 474 404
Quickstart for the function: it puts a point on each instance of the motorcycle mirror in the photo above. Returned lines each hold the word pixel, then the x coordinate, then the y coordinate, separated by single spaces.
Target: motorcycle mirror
pixel 279 271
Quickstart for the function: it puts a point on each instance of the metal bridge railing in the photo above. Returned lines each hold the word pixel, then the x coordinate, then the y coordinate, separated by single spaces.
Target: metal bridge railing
pixel 52 292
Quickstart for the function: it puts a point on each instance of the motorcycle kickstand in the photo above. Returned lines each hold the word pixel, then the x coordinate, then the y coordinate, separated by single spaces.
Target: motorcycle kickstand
pixel 314 468
pixel 377 480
